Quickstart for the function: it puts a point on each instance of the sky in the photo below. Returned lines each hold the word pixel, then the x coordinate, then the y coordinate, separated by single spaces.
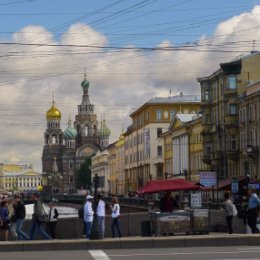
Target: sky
pixel 132 51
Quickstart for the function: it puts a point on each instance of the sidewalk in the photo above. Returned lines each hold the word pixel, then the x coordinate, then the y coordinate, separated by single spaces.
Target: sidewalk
pixel 211 240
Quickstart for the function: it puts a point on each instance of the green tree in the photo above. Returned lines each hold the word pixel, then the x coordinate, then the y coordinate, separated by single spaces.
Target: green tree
pixel 83 175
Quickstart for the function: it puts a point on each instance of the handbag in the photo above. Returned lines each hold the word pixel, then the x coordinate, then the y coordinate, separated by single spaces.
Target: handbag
pixel 43 218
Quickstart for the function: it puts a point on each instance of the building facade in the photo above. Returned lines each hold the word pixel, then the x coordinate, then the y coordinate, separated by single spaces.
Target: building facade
pixel 249 125
pixel 144 143
pixel 220 93
pixel 19 178
pixel 70 148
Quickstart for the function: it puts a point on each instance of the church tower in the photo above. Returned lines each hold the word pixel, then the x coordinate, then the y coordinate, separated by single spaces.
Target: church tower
pixel 86 124
pixel 68 158
pixel 53 140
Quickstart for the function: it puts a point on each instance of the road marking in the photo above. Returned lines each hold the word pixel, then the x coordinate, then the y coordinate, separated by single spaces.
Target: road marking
pixel 189 253
pixel 99 255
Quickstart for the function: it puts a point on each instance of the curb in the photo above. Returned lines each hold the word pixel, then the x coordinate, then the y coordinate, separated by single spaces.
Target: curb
pixel 213 240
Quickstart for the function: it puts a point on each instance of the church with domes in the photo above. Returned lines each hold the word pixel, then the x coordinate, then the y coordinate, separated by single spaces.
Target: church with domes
pixel 65 151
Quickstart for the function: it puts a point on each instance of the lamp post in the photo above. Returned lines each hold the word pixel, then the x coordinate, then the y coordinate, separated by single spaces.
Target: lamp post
pixel 54 181
pixel 95 232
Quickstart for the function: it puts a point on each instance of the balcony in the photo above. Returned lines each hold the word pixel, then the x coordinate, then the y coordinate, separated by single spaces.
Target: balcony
pixel 206 158
pixel 252 151
pixel 230 92
pixel 232 154
pixel 218 155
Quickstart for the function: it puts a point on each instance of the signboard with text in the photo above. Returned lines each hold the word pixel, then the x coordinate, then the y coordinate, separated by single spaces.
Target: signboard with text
pixel 234 185
pixel 208 179
pixel 195 200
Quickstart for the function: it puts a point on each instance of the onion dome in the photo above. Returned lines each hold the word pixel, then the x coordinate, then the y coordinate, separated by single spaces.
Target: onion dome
pixel 70 132
pixel 85 82
pixel 104 131
pixel 53 112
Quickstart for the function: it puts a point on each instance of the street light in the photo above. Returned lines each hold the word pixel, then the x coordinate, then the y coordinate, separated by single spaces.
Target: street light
pixel 95 232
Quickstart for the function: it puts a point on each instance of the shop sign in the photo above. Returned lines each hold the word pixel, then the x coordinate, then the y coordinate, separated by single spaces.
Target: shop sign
pixel 208 179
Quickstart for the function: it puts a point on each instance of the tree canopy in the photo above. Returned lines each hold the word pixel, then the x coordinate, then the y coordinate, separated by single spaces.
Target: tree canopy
pixel 83 175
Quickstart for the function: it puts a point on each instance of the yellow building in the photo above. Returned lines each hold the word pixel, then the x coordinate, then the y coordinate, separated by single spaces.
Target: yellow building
pixel 121 182
pixel 196 164
pixel 112 181
pixel 144 143
pixel 219 93
pixel 15 177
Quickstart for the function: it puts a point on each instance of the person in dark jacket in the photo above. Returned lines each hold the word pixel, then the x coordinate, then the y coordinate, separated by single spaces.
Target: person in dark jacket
pixel 53 218
pixel 19 214
pixel 37 224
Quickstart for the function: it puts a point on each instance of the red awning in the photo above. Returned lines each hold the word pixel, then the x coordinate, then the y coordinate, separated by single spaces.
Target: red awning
pixel 165 185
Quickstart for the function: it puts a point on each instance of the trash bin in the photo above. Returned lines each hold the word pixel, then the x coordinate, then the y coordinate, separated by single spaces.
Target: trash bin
pixel 146 228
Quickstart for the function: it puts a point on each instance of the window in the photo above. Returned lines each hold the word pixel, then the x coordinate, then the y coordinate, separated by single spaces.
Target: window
pixel 233 142
pixel 232 82
pixel 159 132
pixel 173 113
pixel 158 115
pixel 206 95
pixel 159 151
pixel 86 130
pixel 208 148
pixel 147 116
pixel 233 109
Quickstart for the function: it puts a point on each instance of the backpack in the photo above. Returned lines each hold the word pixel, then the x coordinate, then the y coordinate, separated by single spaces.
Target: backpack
pixel 81 211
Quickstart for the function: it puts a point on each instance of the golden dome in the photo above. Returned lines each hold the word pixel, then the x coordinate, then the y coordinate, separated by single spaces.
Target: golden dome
pixel 53 113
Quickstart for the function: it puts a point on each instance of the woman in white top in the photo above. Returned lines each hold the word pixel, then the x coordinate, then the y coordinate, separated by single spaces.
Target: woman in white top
pixel 115 216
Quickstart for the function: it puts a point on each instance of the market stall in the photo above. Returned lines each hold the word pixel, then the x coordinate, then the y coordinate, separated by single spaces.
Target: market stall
pixel 190 220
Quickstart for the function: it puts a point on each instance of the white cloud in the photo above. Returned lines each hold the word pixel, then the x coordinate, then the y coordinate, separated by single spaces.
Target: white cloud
pixel 120 81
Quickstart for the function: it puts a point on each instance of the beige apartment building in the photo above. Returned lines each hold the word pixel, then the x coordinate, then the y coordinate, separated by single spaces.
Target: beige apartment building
pixel 220 93
pixel 100 166
pixel 144 143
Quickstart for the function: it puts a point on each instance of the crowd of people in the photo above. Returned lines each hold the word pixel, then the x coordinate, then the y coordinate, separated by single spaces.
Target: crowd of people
pixel 99 207
pixel 13 213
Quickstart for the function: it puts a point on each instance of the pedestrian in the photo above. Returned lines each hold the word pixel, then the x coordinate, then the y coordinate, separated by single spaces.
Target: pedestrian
pixel 5 221
pixel 228 206
pixel 115 217
pixel 101 213
pixel 88 216
pixel 11 216
pixel 252 211
pixel 53 218
pixel 38 218
pixel 167 203
pixel 20 213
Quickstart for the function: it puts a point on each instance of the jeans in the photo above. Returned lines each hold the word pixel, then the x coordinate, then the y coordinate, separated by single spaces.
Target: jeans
pixel 115 224
pixel 252 219
pixel 88 229
pixel 21 234
pixel 101 224
pixel 36 225
pixel 229 224
pixel 52 227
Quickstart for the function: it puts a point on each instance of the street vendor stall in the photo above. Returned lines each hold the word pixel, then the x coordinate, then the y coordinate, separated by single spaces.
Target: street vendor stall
pixel 189 220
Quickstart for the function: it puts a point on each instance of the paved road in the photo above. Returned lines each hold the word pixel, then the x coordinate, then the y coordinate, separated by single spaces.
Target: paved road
pixel 205 253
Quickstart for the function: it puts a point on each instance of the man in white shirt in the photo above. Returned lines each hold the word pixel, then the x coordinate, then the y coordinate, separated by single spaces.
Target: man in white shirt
pixel 88 215
pixel 101 213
